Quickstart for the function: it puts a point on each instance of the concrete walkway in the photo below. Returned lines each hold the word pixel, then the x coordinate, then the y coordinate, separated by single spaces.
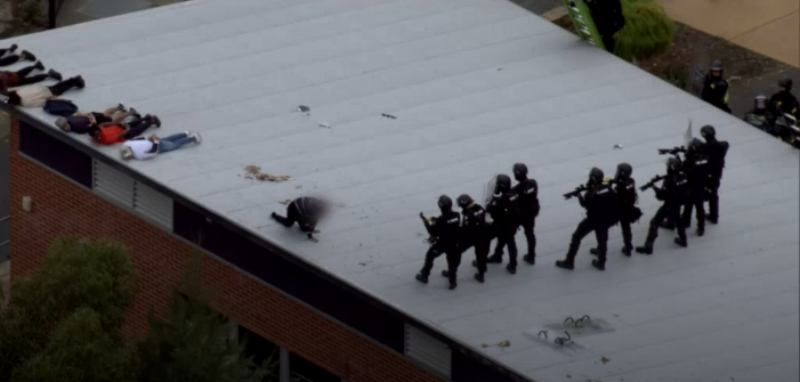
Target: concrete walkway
pixel 769 27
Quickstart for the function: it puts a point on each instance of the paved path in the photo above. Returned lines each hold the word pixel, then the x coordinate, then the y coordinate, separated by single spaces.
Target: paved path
pixel 769 27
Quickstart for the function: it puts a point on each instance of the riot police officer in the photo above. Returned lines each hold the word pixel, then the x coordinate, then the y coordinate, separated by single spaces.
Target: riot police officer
pixel 474 232
pixel 627 211
pixel 504 222
pixel 444 231
pixel 698 169
pixel 674 192
pixel 715 87
pixel 525 195
pixel 716 151
pixel 599 203
pixel 784 102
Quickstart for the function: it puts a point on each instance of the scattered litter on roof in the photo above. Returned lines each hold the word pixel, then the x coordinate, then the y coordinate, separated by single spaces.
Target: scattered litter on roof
pixel 325 125
pixel 604 359
pixel 297 187
pixel 504 344
pixel 362 264
pixel 254 172
pixel 618 146
pixel 304 109
pixel 388 116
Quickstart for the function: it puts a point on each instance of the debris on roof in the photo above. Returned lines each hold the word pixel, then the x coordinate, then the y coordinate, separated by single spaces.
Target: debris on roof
pixel 254 172
pixel 504 344
pixel 388 116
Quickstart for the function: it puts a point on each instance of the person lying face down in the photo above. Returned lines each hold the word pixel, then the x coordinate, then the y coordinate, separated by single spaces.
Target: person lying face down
pixel 22 77
pixel 82 123
pixel 111 133
pixel 37 95
pixel 144 149
pixel 7 56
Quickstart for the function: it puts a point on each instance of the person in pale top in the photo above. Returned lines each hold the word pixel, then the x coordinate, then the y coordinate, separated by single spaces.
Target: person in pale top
pixel 37 95
pixel 147 148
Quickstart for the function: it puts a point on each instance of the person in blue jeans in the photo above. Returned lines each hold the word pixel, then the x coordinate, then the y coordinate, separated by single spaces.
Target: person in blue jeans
pixel 144 149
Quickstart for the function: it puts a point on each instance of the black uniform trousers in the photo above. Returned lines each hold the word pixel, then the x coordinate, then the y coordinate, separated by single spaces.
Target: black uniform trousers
pixel 695 203
pixel 453 254
pixel 482 246
pixel 505 238
pixel 585 227
pixel 528 224
pixel 668 210
pixel 627 235
pixel 713 200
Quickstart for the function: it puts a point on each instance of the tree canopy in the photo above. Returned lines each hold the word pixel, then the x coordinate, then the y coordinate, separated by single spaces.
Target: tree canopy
pixel 63 323
pixel 647 32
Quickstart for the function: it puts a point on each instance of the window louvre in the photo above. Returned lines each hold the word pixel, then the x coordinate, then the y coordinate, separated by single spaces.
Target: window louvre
pixel 152 204
pixel 112 184
pixel 428 351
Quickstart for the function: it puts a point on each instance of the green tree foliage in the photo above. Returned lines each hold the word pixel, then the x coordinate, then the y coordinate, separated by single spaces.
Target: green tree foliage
pixel 80 350
pixel 647 32
pixel 192 344
pixel 76 274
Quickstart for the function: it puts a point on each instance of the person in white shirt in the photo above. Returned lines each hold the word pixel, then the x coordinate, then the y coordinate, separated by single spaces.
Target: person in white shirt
pixel 37 95
pixel 144 149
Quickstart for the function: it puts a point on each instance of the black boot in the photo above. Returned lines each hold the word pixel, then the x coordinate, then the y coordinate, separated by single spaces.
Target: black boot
pixel 566 264
pixel 713 220
pixel 422 278
pixel 599 264
pixel 445 273
pixel 646 249
pixel 681 242
pixel 496 259
pixel 512 268
pixel 530 259
pixel 453 286
pixel 593 251
pixel 626 250
pixel 55 75
pixel 701 231
pixel 479 277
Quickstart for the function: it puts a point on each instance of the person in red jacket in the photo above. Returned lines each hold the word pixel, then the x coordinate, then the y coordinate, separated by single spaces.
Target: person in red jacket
pixel 111 133
pixel 22 77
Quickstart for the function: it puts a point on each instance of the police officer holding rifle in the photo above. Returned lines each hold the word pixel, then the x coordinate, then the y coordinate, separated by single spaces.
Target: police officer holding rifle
pixel 599 203
pixel 444 231
pixel 674 192
pixel 625 200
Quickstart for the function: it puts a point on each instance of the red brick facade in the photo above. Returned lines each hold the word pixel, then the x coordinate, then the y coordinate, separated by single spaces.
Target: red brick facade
pixel 62 208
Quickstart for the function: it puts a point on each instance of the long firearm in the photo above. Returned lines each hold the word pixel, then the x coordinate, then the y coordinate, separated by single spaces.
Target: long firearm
pixel 672 151
pixel 576 192
pixel 652 182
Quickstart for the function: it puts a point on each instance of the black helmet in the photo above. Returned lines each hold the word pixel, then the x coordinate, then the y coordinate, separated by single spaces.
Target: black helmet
pixel 624 171
pixel 445 204
pixel 503 183
pixel 786 83
pixel 464 201
pixel 596 176
pixel 760 102
pixel 520 171
pixel 708 131
pixel 673 164
pixel 716 65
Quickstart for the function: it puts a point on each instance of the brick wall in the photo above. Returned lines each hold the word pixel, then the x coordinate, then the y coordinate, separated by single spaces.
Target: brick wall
pixel 62 208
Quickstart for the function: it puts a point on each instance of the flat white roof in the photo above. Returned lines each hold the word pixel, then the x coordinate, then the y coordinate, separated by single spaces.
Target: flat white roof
pixel 476 85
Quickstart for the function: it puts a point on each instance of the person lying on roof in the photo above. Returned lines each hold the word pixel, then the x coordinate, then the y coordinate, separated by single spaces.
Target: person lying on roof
pixel 37 95
pixel 7 56
pixel 306 211
pixel 144 149
pixel 110 133
pixel 22 77
pixel 82 123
